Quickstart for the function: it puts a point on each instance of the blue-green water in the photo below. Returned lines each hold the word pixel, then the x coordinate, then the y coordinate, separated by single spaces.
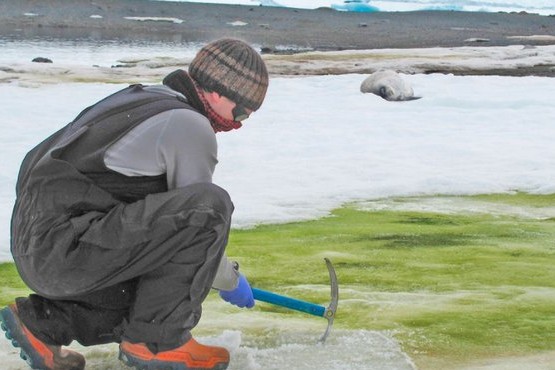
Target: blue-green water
pixel 543 7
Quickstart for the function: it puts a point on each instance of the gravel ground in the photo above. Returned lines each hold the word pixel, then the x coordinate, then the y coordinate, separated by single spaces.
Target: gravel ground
pixel 321 29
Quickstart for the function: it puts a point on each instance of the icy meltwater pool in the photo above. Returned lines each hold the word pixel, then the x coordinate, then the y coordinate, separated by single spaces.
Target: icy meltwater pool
pixel 344 350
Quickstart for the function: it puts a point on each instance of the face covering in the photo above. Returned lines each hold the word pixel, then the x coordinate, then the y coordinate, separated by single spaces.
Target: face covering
pixel 181 81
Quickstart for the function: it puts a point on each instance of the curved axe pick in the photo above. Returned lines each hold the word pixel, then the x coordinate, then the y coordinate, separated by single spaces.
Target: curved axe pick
pixel 307 307
pixel 329 313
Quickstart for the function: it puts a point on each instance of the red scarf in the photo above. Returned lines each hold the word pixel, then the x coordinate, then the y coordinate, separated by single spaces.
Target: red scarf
pixel 180 80
pixel 218 122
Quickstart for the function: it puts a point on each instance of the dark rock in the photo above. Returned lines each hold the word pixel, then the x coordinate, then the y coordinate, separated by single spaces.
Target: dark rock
pixel 41 60
pixel 266 50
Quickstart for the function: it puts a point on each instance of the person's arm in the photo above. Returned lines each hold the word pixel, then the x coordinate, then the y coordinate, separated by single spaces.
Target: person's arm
pixel 190 155
pixel 187 149
pixel 227 276
pixel 180 143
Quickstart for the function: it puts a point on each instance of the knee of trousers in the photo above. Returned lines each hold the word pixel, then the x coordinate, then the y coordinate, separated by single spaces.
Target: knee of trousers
pixel 207 195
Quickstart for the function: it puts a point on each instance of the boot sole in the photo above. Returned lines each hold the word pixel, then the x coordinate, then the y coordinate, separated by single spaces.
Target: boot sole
pixel 9 324
pixel 160 365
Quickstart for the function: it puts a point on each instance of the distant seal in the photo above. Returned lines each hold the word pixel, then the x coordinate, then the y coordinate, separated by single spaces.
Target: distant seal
pixel 389 85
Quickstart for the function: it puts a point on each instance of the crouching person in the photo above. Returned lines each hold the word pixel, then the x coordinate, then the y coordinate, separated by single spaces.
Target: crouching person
pixel 118 228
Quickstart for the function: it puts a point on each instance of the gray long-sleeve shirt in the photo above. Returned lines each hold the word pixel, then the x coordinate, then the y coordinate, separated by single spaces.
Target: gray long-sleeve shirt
pixel 179 143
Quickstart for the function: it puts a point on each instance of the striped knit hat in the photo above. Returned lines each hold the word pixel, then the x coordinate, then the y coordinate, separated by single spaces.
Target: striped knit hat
pixel 233 69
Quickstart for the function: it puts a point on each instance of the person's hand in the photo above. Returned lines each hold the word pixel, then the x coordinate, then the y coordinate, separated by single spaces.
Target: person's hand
pixel 240 296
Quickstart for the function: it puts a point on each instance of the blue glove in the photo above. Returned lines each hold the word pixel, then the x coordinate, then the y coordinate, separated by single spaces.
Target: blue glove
pixel 240 296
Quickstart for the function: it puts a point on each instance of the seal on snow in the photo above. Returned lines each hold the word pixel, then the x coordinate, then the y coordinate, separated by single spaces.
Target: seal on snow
pixel 389 85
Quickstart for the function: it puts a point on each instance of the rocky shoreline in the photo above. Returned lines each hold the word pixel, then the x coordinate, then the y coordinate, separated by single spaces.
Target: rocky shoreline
pixel 279 30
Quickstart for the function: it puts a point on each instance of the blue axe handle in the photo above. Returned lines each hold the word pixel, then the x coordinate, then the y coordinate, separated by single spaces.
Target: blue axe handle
pixel 292 303
pixel 307 307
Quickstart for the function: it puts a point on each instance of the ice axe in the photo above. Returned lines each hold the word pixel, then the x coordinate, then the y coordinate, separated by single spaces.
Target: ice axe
pixel 303 306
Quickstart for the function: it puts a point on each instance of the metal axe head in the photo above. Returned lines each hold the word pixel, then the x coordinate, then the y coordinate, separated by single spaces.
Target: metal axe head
pixel 329 314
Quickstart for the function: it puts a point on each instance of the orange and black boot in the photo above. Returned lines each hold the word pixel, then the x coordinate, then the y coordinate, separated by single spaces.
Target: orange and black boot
pixel 39 355
pixel 190 356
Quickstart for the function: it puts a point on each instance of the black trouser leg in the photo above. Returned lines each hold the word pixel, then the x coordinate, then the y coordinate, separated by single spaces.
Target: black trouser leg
pixel 168 303
pixel 171 242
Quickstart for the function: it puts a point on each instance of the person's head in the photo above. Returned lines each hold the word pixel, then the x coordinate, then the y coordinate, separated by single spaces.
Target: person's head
pixel 233 76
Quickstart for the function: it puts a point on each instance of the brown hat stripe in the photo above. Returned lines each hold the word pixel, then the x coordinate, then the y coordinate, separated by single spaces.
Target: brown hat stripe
pixel 231 63
pixel 247 99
